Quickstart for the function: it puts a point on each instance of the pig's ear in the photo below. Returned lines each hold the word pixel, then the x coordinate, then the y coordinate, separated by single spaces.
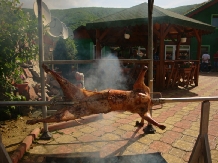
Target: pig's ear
pixel 139 83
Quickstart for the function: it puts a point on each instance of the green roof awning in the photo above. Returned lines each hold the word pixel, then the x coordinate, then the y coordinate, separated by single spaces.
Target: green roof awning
pixel 138 15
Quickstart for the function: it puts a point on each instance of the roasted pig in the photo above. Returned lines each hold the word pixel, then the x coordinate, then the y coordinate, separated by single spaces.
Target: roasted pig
pixel 88 102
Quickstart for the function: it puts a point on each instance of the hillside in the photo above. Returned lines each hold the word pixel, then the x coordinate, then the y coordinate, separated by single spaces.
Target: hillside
pixel 182 9
pixel 76 17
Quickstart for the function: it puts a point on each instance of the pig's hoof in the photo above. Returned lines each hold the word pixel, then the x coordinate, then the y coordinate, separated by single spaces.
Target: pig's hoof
pixel 138 124
pixel 162 127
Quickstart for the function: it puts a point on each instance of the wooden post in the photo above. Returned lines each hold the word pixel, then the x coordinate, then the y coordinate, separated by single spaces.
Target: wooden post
pixel 178 46
pixel 160 81
pixel 4 157
pixel 98 46
pixel 150 43
pixel 201 150
pixel 199 40
pixel 149 129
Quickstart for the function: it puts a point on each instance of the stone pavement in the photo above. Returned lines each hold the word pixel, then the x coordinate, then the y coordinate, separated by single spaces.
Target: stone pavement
pixel 114 134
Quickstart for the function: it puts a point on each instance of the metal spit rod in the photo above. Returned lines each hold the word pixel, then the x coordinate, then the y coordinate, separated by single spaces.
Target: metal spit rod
pixel 34 103
pixel 154 100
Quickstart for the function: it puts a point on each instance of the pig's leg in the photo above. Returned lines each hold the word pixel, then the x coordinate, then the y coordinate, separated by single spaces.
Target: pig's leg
pixel 149 119
pixel 140 124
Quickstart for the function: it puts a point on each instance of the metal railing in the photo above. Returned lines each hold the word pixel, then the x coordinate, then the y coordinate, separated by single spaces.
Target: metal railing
pixel 201 150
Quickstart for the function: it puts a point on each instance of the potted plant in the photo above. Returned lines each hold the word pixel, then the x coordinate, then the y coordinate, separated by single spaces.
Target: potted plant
pixel 186 66
pixel 21 85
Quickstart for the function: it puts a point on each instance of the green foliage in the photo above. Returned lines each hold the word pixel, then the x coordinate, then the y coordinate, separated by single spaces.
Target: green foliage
pixel 11 111
pixel 186 65
pixel 183 9
pixel 65 50
pixel 76 17
pixel 18 32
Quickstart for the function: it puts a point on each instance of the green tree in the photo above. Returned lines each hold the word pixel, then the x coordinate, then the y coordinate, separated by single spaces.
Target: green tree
pixel 18 32
pixel 65 50
pixel 18 35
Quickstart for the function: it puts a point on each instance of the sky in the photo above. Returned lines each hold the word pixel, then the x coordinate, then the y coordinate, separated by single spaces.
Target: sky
pixel 65 4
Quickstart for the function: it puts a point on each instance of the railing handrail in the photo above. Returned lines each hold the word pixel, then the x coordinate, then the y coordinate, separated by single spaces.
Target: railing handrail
pixel 95 61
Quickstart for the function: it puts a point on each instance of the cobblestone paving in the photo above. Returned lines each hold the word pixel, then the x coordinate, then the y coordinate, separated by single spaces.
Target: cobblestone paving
pixel 114 134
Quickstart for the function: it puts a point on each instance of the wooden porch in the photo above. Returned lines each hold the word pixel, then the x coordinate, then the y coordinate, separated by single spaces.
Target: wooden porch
pixel 167 26
pixel 176 72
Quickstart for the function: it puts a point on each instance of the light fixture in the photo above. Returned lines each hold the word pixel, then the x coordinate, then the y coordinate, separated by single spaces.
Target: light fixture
pixel 183 38
pixel 126 34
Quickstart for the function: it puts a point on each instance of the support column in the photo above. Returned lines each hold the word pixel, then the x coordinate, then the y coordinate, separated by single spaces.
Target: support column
pixel 150 43
pixel 149 128
pixel 178 46
pixel 161 78
pixel 46 135
pixel 201 150
pixel 98 45
pixel 199 40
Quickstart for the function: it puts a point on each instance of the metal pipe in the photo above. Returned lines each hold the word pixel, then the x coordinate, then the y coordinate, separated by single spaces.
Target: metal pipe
pixel 33 103
pixel 95 60
pixel 41 58
pixel 185 99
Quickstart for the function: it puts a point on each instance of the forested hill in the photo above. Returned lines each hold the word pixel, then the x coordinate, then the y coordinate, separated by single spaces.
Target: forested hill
pixel 183 9
pixel 76 17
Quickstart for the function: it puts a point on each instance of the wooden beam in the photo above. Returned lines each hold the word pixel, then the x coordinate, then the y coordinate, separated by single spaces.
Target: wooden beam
pixel 178 45
pixel 161 77
pixel 197 35
pixel 177 29
pixel 173 40
pixel 166 31
pixel 196 76
pixel 156 32
pixel 104 34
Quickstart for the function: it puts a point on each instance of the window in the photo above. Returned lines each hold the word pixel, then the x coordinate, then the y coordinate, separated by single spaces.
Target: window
pixel 170 52
pixel 214 21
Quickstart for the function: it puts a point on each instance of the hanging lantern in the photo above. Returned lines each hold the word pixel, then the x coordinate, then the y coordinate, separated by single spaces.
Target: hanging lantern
pixel 183 38
pixel 127 36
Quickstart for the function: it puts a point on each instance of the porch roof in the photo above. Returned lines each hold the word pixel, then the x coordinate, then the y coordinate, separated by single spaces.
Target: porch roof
pixel 138 15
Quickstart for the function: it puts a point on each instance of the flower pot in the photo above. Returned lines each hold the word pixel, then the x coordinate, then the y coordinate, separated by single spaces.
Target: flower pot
pixel 22 88
pixel 187 70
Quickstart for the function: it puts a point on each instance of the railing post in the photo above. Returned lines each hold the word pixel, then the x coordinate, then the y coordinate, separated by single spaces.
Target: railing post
pixel 46 134
pixel 4 157
pixel 201 150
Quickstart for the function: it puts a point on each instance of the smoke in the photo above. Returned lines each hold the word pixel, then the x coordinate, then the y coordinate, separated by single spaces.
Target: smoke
pixel 106 74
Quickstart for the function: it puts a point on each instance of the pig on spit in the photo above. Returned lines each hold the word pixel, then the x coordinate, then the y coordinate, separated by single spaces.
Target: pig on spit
pixel 88 102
